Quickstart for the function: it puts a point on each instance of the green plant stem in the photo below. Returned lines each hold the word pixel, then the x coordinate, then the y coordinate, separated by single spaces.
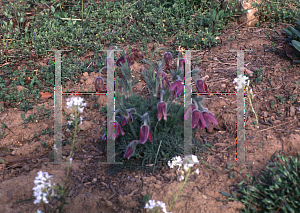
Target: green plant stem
pixel 138 115
pixel 132 130
pixel 130 88
pixel 156 156
pixel 71 152
pixel 187 176
pixel 255 118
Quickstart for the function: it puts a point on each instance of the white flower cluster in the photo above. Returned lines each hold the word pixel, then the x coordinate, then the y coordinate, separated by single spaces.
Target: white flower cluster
pixel 76 102
pixel 151 204
pixel 186 163
pixel 241 81
pixel 42 187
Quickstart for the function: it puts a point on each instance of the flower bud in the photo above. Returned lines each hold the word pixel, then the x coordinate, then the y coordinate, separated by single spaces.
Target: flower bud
pixel 99 84
pixel 168 60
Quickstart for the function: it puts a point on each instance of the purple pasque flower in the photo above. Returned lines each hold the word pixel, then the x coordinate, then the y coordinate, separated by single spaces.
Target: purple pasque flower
pixel 162 110
pixel 145 134
pixel 201 86
pixel 198 119
pixel 121 61
pixel 99 84
pixel 208 116
pixel 182 63
pixel 164 79
pixel 136 56
pixel 188 112
pixel 118 129
pixel 126 119
pixel 177 87
pixel 130 150
pixel 168 60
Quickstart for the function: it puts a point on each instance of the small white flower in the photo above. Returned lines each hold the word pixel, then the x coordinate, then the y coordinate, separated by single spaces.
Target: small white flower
pixel 186 167
pixel 174 162
pixel 240 81
pixel 197 171
pixel 77 102
pixel 71 160
pixel 181 178
pixel 39 211
pixel 151 204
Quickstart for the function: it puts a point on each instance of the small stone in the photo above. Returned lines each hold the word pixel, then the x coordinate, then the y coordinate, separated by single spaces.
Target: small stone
pixel 13 153
pixel 88 194
pixel 157 186
pixel 292 111
pixel 26 167
pixel 94 180
pixel 108 203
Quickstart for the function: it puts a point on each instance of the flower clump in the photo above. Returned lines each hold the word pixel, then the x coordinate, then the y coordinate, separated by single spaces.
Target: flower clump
pixel 76 104
pixel 185 163
pixel 42 187
pixel 157 82
pixel 152 204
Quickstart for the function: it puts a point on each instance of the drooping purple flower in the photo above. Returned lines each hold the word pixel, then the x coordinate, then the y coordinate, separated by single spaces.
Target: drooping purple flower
pixel 188 112
pixel 162 110
pixel 208 116
pixel 177 87
pixel 121 61
pixel 126 119
pixel 164 79
pixel 118 129
pixel 198 119
pixel 130 150
pixel 201 86
pixel 136 56
pixel 182 63
pixel 168 60
pixel 145 134
pixel 99 84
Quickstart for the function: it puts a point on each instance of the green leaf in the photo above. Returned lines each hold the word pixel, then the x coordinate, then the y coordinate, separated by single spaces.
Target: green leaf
pixel 52 9
pixel 2 161
pixel 289 33
pixel 296 44
pixel 209 145
pixel 295 31
pixel 225 194
pixel 32 82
